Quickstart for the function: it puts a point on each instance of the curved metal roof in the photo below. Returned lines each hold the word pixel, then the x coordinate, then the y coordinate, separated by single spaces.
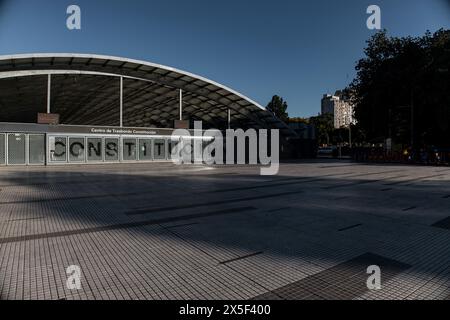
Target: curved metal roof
pixel 147 86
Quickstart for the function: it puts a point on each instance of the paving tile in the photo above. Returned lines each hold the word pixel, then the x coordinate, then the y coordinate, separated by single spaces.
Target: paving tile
pixel 345 281
pixel 444 224
pixel 159 231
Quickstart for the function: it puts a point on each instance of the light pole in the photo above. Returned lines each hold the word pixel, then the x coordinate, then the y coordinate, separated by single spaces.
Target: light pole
pixel 350 134
pixel 412 117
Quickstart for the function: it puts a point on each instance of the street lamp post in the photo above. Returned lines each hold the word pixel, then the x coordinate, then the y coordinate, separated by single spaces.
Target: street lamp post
pixel 350 135
pixel 412 117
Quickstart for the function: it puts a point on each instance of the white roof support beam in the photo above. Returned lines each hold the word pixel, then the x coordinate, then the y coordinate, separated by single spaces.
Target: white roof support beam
pixel 181 104
pixel 121 102
pixel 49 92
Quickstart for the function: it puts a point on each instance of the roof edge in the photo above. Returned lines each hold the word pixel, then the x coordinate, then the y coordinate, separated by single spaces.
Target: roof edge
pixel 122 59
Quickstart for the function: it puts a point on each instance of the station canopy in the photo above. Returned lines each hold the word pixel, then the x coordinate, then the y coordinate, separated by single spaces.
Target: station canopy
pixel 85 90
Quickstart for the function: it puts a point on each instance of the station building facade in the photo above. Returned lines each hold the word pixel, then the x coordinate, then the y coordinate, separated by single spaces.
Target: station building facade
pixel 79 108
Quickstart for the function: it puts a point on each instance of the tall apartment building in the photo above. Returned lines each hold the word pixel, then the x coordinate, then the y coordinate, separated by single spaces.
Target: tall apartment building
pixel 340 108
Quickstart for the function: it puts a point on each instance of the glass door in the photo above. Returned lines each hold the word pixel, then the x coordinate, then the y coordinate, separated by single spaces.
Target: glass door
pixel 57 149
pixel 77 149
pixel 36 149
pixel 94 149
pixel 16 149
pixel 159 149
pixel 2 149
pixel 111 149
pixel 129 149
pixel 145 150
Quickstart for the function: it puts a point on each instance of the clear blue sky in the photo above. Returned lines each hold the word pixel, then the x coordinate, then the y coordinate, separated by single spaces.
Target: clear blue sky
pixel 296 49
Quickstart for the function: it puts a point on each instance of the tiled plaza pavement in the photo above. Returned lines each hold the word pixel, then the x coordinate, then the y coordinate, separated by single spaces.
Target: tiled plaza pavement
pixel 160 231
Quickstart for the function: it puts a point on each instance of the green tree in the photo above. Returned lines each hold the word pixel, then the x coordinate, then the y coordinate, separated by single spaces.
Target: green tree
pixel 299 120
pixel 279 108
pixel 401 89
pixel 324 125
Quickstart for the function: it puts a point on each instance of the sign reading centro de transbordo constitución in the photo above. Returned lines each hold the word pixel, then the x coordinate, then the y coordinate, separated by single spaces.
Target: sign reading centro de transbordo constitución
pixel 51 128
pixel 122 131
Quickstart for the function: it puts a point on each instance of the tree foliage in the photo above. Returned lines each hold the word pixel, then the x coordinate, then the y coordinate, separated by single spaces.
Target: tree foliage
pixel 279 108
pixel 299 120
pixel 324 125
pixel 402 89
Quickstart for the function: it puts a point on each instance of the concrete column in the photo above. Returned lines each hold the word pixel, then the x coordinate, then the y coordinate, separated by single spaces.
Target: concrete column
pixel 49 92
pixel 181 104
pixel 121 102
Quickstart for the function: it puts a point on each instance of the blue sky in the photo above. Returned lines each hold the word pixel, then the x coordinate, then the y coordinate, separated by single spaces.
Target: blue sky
pixel 296 49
